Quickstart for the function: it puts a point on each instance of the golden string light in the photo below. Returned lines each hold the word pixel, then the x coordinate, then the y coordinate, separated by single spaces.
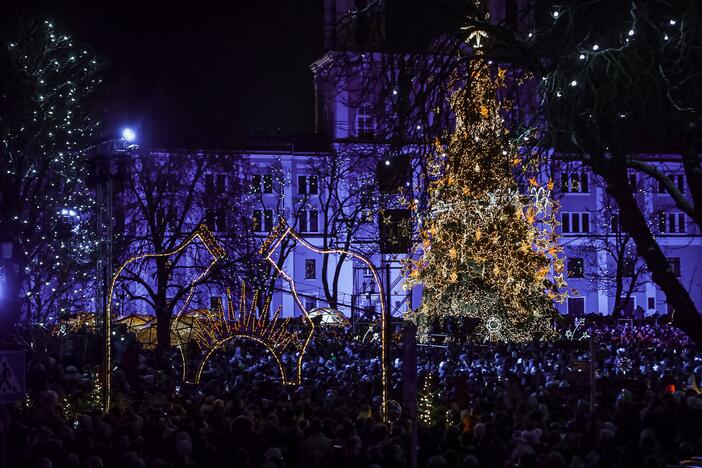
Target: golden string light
pixel 216 329
pixel 488 246
pixel 278 235
pixel 217 252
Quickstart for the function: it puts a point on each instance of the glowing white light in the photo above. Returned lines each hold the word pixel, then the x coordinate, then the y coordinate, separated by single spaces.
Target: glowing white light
pixel 595 47
pixel 555 14
pixel 387 162
pixel 581 56
pixel 665 37
pixel 631 32
pixel 128 134
pixel 394 92
pixel 573 83
pixel 672 22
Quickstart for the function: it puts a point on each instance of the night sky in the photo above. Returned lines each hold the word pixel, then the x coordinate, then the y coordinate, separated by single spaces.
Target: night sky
pixel 201 74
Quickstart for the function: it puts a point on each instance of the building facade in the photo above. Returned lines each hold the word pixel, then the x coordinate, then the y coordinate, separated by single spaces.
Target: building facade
pixel 351 192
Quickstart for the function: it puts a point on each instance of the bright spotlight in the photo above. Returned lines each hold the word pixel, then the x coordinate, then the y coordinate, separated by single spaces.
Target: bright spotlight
pixel 128 135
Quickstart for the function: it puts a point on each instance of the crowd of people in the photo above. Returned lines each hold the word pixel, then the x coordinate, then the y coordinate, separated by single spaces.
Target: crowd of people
pixel 634 403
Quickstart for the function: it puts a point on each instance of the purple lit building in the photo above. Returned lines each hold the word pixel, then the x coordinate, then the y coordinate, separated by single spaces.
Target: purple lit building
pixel 333 189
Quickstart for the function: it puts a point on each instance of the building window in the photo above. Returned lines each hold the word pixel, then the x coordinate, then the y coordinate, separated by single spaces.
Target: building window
pixel 576 306
pixel 575 223
pixel 262 183
pixel 651 302
pixel 263 220
pixel 216 219
pixel 627 305
pixel 215 303
pixel 307 185
pixel 575 182
pixel 674 265
pixel 215 183
pixel 308 221
pixel 310 268
pixel 221 183
pixel 576 267
pixel 677 179
pixel 310 303
pixel 365 126
pixel 671 222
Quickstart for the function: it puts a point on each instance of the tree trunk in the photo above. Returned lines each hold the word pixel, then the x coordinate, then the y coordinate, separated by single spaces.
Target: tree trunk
pixel 686 317
pixel 163 312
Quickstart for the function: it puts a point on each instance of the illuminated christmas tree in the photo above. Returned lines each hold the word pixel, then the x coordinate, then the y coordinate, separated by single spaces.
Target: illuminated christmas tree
pixel 45 204
pixel 488 247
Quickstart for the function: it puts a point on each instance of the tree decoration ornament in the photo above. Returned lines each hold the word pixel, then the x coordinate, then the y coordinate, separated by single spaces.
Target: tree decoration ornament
pixel 488 249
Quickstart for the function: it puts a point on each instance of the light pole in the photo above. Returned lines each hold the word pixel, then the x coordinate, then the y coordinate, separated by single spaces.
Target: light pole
pixel 103 158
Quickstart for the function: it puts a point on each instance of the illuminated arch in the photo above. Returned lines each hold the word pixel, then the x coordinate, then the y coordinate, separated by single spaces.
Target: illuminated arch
pixel 221 343
pixel 271 332
pixel 281 231
pixel 201 233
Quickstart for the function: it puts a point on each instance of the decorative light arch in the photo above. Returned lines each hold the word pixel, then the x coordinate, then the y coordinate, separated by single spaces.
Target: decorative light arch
pixel 279 233
pixel 216 251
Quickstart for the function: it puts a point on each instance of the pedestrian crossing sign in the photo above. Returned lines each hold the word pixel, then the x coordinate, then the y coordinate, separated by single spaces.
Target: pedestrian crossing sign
pixel 11 376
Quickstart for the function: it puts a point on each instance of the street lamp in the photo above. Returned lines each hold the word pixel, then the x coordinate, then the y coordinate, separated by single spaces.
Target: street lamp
pixel 128 135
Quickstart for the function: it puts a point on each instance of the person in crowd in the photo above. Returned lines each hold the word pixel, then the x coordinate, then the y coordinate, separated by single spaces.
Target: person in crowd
pixel 493 405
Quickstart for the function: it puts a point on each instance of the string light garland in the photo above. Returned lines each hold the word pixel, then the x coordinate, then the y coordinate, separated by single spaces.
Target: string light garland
pixel 488 247
pixel 45 172
pixel 426 400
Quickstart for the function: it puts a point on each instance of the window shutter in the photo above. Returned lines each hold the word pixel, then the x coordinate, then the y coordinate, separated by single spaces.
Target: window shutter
pixel 565 222
pixel 575 222
pixel 682 227
pixel 585 186
pixel 314 218
pixel 586 222
pixel 268 220
pixel 313 184
pixel 303 221
pixel 671 223
pixel 302 185
pixel 268 183
pixel 256 184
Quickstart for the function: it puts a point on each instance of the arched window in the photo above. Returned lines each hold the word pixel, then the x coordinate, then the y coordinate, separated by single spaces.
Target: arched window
pixel 365 126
